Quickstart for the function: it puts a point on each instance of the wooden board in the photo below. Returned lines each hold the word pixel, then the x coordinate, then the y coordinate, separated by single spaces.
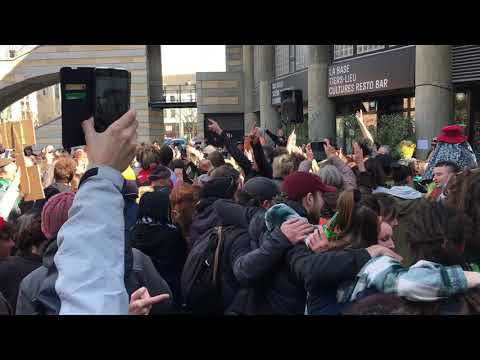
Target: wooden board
pixel 6 135
pixel 28 133
pixel 18 134
pixel 35 184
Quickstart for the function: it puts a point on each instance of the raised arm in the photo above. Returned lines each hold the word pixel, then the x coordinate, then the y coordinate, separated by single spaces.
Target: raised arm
pixel 90 257
pixel 239 157
pixel 347 173
pixel 363 128
pixel 264 166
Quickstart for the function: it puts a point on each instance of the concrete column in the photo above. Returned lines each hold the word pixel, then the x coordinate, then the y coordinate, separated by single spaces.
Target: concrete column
pixel 248 84
pixel 321 110
pixel 181 132
pixel 155 92
pixel 269 117
pixel 433 92
pixel 200 125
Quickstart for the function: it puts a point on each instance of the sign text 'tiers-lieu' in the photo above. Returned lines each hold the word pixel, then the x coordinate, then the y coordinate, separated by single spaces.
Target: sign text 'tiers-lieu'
pixel 342 81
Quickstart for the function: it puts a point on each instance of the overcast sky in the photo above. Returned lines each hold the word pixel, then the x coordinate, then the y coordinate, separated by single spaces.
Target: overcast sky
pixel 189 59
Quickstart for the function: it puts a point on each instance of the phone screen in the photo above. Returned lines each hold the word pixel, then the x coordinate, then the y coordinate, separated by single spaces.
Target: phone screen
pixel 112 92
pixel 318 150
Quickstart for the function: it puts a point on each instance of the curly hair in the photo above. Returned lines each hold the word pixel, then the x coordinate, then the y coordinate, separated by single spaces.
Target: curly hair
pixel 439 233
pixel 64 169
pixel 297 159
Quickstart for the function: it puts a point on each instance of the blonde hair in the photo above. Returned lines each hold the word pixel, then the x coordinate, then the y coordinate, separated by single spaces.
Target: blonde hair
pixel 282 166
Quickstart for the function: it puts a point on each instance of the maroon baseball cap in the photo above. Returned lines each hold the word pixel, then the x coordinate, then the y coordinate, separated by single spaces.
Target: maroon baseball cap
pixel 299 184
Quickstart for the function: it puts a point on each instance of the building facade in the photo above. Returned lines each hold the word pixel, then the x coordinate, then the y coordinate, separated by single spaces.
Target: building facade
pixel 180 122
pixel 41 106
pixel 433 84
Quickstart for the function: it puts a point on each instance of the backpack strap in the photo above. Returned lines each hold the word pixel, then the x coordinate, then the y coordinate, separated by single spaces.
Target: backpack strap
pixel 217 254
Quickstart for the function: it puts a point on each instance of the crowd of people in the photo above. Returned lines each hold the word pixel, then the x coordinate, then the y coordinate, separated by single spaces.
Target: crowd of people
pixel 256 227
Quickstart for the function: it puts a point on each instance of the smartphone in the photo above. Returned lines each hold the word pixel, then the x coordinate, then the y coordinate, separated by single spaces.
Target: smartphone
pixel 318 150
pixel 86 92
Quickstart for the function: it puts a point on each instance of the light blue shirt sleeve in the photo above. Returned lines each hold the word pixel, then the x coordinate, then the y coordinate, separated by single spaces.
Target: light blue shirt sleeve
pixel 90 257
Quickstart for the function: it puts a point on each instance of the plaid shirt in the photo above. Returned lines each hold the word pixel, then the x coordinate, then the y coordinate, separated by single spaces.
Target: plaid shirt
pixel 423 281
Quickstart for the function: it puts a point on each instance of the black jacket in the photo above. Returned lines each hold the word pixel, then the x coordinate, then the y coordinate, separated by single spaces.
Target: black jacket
pixel 37 297
pixel 323 272
pixel 203 219
pixel 262 264
pixel 167 249
pixel 12 272
pixel 237 299
pixel 264 167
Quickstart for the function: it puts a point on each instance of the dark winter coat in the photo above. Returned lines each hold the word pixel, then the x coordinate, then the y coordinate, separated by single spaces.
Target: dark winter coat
pixel 37 295
pixel 12 272
pixel 262 264
pixel 167 249
pixel 205 217
pixel 264 167
pixel 323 272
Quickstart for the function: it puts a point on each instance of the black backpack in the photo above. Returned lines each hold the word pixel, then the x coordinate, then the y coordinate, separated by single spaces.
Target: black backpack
pixel 200 281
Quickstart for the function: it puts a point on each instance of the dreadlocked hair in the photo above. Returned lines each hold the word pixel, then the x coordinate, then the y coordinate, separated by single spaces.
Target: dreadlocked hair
pixel 438 233
pixel 463 194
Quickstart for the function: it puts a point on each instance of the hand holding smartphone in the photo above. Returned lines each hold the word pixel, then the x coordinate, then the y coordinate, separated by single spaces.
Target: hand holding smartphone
pixel 103 94
pixel 318 149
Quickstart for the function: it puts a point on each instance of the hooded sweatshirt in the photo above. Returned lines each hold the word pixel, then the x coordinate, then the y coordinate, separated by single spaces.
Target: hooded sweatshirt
pixel 156 236
pixel 402 192
pixel 205 216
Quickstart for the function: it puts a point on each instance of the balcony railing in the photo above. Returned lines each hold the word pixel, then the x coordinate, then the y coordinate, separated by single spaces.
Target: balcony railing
pixel 179 93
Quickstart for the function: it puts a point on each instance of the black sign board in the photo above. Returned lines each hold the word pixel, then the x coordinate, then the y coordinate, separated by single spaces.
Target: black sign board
pixel 384 71
pixel 296 81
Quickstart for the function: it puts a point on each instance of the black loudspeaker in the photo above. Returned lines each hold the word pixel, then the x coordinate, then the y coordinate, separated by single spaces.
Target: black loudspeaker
pixel 292 106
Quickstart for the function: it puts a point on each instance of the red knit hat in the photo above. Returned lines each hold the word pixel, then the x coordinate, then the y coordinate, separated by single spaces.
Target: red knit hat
pixel 300 183
pixel 55 213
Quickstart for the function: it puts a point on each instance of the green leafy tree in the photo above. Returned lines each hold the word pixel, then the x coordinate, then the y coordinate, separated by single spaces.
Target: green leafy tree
pixel 394 128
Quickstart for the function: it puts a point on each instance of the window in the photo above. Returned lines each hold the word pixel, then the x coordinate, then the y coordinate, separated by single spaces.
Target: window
pixel 44 92
pixel 362 49
pixel 173 113
pixel 301 56
pixel 341 51
pixel 282 60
